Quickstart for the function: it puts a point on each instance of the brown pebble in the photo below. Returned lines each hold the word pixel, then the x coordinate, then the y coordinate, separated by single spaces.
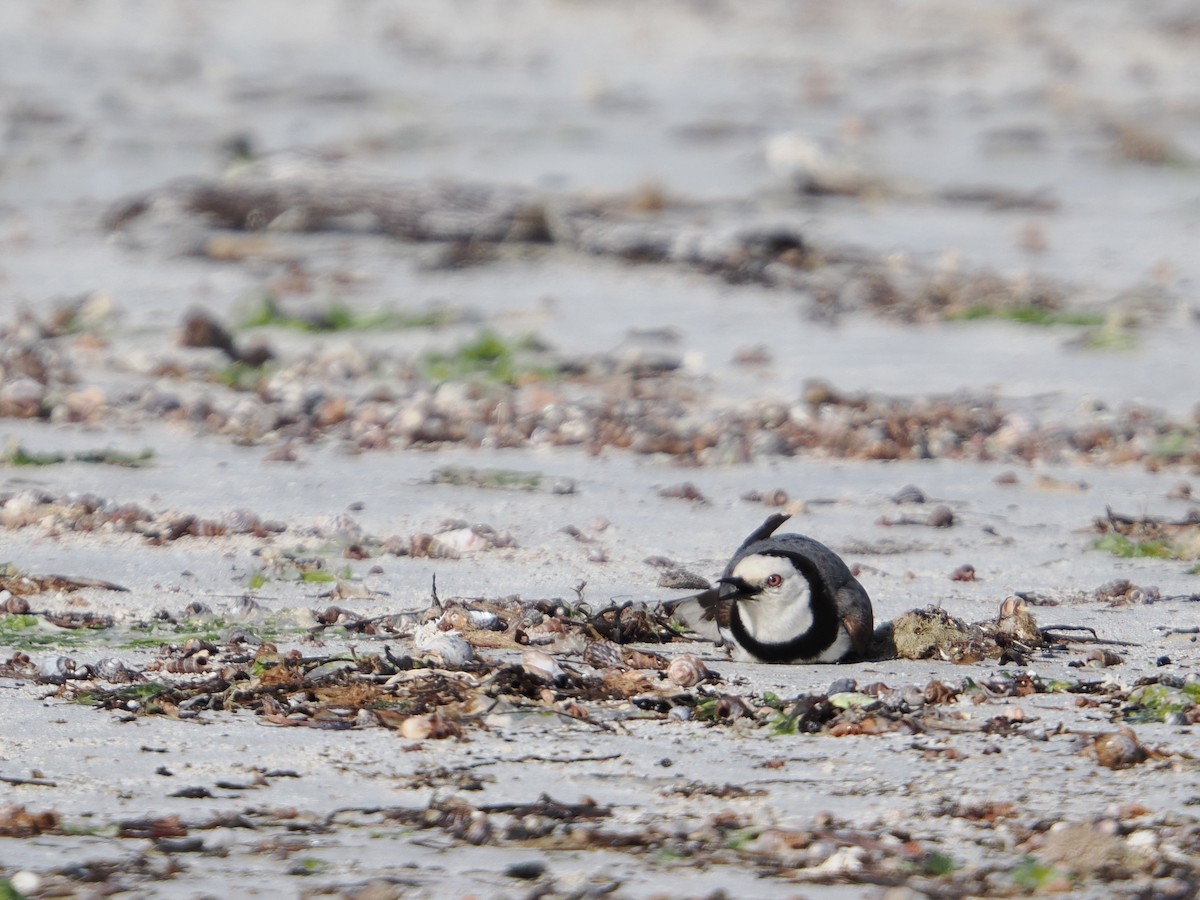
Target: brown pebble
pixel 1181 491
pixel 941 517
pixel 965 572
pixel 682 580
pixel 684 491
pixel 1119 749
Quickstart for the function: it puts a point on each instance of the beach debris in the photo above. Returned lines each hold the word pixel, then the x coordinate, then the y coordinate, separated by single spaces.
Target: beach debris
pixel 683 491
pixel 201 329
pixel 541 665
pixel 682 580
pixel 19 583
pixel 934 632
pixel 18 822
pixel 909 494
pixel 1119 749
pixel 1149 536
pixel 940 516
pixel 965 572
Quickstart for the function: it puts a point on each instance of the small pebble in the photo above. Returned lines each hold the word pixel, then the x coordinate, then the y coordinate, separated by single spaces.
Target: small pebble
pixel 682 580
pixel 941 517
pixel 528 870
pixel 25 882
pixel 842 686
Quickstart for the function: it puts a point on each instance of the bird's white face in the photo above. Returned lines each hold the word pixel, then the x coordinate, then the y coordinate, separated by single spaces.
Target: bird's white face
pixel 781 609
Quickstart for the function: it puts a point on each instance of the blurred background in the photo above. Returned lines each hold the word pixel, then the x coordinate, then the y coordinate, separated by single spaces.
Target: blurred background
pixel 1026 164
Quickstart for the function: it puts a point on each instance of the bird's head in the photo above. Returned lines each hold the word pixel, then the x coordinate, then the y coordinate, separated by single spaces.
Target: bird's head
pixel 767 579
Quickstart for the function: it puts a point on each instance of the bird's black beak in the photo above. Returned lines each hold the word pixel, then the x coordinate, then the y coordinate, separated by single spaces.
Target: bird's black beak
pixel 737 589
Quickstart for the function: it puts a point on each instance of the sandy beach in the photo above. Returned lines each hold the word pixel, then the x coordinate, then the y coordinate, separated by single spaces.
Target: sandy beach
pixel 370 376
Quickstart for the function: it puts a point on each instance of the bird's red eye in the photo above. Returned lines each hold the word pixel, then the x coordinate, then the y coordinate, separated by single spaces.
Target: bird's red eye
pixel 774 580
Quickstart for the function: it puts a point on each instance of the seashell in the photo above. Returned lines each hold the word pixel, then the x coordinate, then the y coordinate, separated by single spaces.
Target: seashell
pixel 453 619
pixel 478 830
pixel 1104 658
pixel 367 718
pixel 241 521
pixel 14 606
pixel 56 669
pixel 115 671
pixel 1119 749
pixel 643 659
pixel 1015 619
pixel 731 707
pixel 937 692
pixel 688 671
pixel 485 620
pixel 193 646
pixel 426 545
pixel 541 665
pixel 191 665
pixel 680 713
pixel 448 647
pixel 416 728
pixel 603 655
pixel 461 540
pixel 910 493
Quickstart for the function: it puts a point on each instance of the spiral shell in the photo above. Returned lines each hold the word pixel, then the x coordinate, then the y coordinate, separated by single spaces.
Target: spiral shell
pixel 603 655
pixel 688 671
pixel 115 671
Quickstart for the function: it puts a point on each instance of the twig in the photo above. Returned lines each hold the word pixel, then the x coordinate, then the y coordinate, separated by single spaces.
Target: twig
pixel 35 782
pixel 532 757
pixel 1046 633
pixel 547 806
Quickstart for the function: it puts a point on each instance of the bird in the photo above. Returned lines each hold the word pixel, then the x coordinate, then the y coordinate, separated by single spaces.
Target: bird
pixel 783 598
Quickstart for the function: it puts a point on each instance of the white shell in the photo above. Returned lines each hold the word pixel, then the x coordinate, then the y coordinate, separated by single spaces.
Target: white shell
pixel 448 647
pixel 462 540
pixel 541 665
pixel 416 728
pixel 56 669
pixel 687 670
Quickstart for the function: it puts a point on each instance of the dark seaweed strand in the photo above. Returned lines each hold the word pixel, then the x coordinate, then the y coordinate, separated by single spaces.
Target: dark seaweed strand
pixel 805 646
